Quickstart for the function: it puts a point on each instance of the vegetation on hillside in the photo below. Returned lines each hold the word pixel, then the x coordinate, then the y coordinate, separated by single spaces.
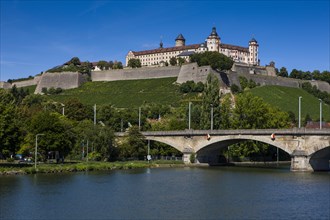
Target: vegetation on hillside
pixel 306 75
pixel 216 60
pixel 286 99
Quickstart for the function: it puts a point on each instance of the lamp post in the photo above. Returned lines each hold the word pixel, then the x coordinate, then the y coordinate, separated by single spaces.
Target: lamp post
pixel 320 114
pixel 36 151
pixel 62 108
pixel 189 115
pixel 139 118
pixel 299 122
pixel 94 114
pixel 211 117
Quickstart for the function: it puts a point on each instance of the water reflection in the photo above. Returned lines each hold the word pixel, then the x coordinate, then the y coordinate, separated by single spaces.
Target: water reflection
pixel 174 193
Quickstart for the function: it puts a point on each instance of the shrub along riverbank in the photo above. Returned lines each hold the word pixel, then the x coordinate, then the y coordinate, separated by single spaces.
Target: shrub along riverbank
pixel 14 169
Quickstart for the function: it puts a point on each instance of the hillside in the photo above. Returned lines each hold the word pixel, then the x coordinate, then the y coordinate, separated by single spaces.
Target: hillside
pixel 287 100
pixel 125 94
pixel 133 93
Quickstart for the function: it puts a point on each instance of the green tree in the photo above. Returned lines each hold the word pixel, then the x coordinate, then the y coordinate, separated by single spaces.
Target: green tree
pixel 211 99
pixel 134 144
pixel 10 129
pixel 181 61
pixel 173 61
pixel 75 110
pixel 134 63
pixel 117 65
pixel 283 72
pixel 103 65
pixel 57 130
pixel 75 61
pixel 216 60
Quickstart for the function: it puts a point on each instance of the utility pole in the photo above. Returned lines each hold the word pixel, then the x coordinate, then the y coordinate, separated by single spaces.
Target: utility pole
pixel 139 118
pixel 94 114
pixel 36 151
pixel 189 115
pixel 299 123
pixel 211 117
pixel 320 114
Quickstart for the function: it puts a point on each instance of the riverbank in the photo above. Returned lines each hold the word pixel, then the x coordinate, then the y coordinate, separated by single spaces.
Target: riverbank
pixel 20 169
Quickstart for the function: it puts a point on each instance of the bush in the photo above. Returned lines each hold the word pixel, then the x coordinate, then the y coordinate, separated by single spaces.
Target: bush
pixel 192 158
pixel 191 86
pixel 235 89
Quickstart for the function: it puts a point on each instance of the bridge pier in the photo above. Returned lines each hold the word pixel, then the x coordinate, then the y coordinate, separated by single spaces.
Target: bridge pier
pixel 300 161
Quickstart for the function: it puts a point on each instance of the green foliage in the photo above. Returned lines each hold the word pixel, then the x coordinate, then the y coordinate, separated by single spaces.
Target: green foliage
pixel 283 72
pixel 103 65
pixel 134 144
pixel 245 83
pixel 134 63
pixel 75 110
pixel 117 65
pixel 58 134
pixel 181 61
pixel 211 100
pixel 192 158
pixel 191 86
pixel 74 65
pixel 19 79
pixel 129 93
pixel 216 60
pixel 286 99
pixel 324 96
pixel 235 89
pixel 173 61
pixel 251 113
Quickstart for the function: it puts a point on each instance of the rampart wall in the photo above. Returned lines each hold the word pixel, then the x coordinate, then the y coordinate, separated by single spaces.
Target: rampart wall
pixel 29 82
pixel 192 72
pixel 64 80
pixel 5 85
pixel 136 73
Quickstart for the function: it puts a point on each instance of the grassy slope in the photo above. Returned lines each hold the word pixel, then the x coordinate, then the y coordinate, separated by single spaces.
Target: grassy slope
pixel 124 94
pixel 287 100
pixel 133 93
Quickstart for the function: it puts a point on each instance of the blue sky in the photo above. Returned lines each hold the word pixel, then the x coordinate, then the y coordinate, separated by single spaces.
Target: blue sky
pixel 38 35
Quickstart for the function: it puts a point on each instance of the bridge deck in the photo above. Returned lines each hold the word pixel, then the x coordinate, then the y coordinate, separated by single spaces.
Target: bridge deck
pixel 295 131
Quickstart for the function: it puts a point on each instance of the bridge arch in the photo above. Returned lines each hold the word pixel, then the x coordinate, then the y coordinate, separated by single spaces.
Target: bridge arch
pixel 232 139
pixel 208 153
pixel 171 142
pixel 319 160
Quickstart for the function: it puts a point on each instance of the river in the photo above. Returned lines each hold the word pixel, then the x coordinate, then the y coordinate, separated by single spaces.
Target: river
pixel 168 193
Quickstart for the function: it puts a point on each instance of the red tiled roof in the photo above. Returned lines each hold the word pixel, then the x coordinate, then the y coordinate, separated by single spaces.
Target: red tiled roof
pixel 165 50
pixel 233 47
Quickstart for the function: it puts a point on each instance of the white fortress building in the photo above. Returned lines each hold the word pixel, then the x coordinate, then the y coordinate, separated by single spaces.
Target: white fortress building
pixel 158 57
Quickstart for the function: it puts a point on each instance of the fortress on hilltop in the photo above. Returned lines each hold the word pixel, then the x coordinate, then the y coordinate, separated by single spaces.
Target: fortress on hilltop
pixel 160 56
pixel 246 64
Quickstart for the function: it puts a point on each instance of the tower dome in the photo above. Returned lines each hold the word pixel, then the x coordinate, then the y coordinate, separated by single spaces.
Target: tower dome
pixel 214 32
pixel 180 41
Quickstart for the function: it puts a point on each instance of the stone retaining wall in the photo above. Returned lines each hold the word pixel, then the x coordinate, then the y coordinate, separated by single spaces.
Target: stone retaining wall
pixel 64 80
pixel 192 72
pixel 137 73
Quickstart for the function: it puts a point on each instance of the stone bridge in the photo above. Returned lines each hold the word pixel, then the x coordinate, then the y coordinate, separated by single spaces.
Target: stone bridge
pixel 309 148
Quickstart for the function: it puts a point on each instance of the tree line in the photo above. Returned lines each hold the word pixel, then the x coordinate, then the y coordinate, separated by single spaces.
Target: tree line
pixel 306 75
pixel 74 134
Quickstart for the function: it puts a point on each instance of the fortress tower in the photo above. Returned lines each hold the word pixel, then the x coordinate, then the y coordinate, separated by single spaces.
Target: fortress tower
pixel 253 52
pixel 180 41
pixel 213 41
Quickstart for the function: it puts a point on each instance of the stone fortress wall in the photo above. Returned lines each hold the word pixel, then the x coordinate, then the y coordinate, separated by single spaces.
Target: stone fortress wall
pixel 192 72
pixel 136 73
pixel 262 75
pixel 64 80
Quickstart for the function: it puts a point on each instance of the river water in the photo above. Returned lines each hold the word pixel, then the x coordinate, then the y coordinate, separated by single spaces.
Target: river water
pixel 168 193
